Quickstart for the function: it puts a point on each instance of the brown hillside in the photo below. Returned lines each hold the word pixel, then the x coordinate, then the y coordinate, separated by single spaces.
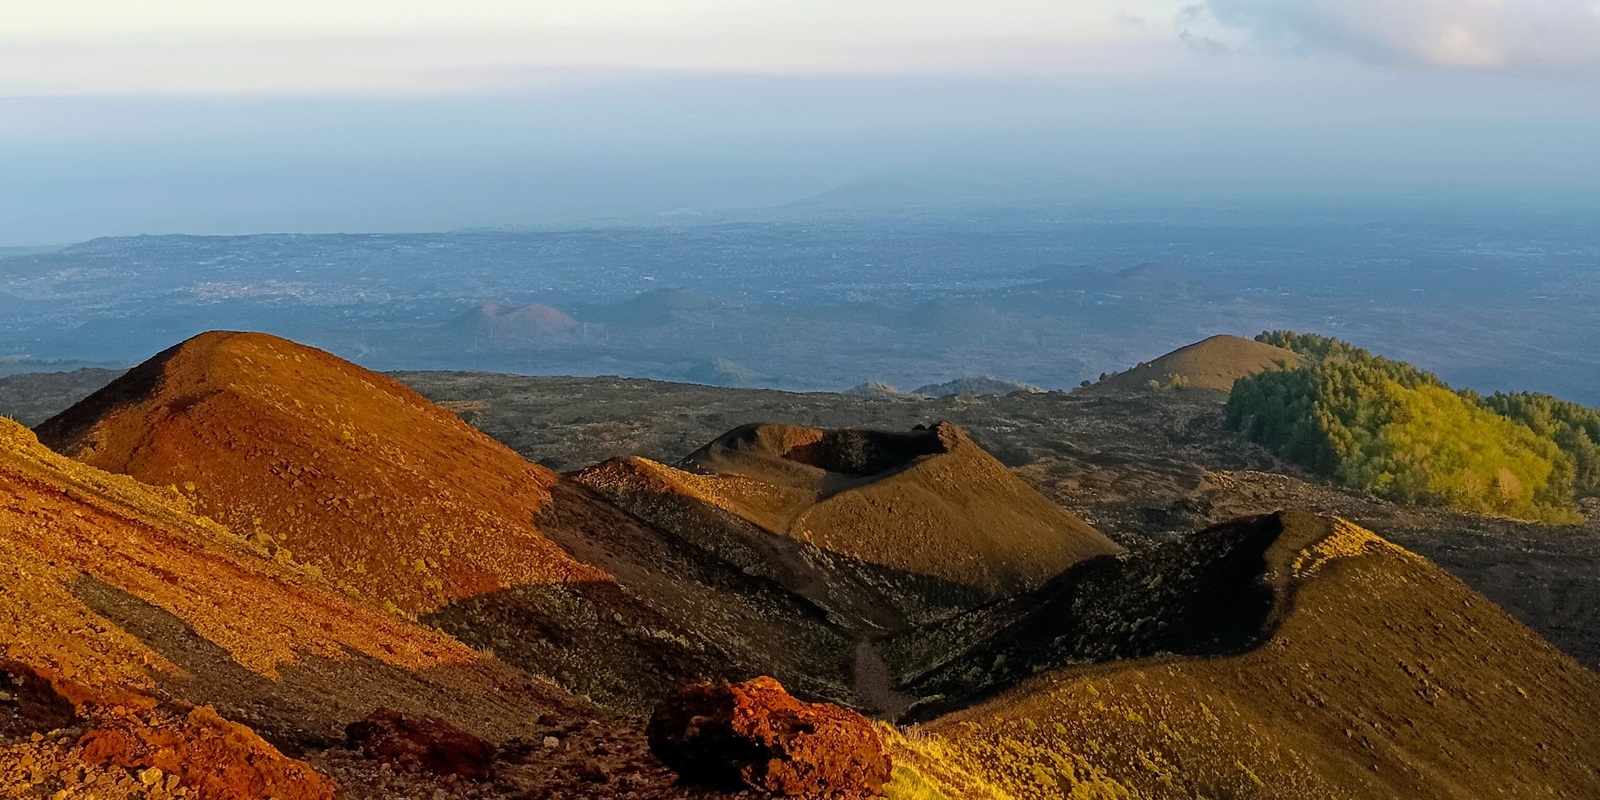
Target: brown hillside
pixel 1211 364
pixel 396 500
pixel 927 510
pixel 349 471
pixel 714 516
pixel 137 609
pixel 929 502
pixel 141 635
pixel 1336 665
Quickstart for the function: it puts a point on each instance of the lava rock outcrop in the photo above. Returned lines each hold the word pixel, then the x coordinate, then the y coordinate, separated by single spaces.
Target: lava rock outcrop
pixel 222 760
pixel 419 742
pixel 755 735
pixel 29 703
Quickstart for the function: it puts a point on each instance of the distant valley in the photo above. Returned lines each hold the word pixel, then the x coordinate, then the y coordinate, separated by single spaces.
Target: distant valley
pixel 825 298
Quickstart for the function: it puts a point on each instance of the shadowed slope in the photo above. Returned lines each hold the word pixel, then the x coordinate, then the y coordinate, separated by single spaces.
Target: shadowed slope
pixel 1339 665
pixel 1211 364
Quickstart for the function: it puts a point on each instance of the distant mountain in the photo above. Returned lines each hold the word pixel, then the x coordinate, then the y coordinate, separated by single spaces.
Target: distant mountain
pixel 875 389
pixel 494 326
pixel 1071 275
pixel 1148 272
pixel 722 372
pixel 25 365
pixel 949 190
pixel 979 384
pixel 1147 279
pixel 1212 364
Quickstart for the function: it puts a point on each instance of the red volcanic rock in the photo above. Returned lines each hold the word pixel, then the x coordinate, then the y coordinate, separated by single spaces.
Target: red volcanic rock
pixel 217 759
pixel 420 742
pixel 29 703
pixel 754 734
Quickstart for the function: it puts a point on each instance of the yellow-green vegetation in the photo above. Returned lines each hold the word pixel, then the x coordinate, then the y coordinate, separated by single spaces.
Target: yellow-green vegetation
pixel 1010 765
pixel 1441 449
pixel 1574 428
pixel 908 784
pixel 1177 383
pixel 1386 427
pixel 929 767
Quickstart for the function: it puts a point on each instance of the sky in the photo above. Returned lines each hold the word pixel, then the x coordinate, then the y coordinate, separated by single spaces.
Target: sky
pixel 155 116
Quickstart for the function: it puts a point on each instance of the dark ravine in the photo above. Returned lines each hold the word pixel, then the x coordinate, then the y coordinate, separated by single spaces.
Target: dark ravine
pixel 875 684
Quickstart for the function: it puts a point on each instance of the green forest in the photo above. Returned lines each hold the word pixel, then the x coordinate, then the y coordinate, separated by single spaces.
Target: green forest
pixel 1386 427
pixel 1574 428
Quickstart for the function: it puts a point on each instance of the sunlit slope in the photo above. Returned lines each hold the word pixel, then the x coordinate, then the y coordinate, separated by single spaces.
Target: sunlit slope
pixel 1369 673
pixel 883 529
pixel 1212 364
pixel 397 501
pixel 119 587
pixel 928 501
pixel 349 471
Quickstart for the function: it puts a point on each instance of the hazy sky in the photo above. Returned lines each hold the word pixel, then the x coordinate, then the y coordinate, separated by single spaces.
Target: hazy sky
pixel 126 116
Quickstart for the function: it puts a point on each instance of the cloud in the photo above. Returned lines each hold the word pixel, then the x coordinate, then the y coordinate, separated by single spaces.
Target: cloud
pixel 1536 36
pixel 1202 44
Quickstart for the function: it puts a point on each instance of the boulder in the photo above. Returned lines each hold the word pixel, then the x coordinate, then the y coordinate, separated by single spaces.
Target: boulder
pixel 216 758
pixel 418 742
pixel 30 703
pixel 755 735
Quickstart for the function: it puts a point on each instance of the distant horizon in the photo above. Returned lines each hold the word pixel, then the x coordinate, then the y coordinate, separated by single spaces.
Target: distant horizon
pixel 1434 201
pixel 356 115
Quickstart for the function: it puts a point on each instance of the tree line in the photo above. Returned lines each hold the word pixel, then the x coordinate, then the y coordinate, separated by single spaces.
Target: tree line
pixel 1386 427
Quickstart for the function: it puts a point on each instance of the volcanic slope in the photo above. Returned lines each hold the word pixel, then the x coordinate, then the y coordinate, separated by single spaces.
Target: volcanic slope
pixel 351 472
pixel 1289 656
pixel 883 529
pixel 1211 364
pixel 137 610
pixel 398 501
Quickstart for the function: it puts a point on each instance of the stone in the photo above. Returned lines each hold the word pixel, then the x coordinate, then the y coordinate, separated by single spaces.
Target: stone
pixel 31 704
pixel 755 735
pixel 420 742
pixel 219 759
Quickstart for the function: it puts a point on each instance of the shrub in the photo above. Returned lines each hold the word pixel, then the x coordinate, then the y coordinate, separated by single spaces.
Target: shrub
pixel 1389 428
